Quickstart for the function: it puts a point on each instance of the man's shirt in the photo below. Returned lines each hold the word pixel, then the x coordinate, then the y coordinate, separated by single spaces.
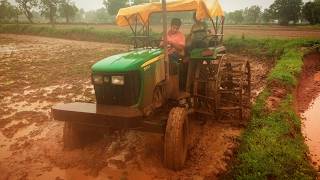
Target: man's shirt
pixel 177 38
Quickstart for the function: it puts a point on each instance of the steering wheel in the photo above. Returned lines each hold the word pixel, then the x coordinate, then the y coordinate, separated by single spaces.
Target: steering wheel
pixel 155 43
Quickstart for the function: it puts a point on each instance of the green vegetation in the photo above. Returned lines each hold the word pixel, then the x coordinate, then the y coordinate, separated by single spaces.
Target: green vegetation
pixel 8 11
pixel 67 9
pixel 286 10
pixel 26 7
pixel 272 146
pixel 311 11
pixel 287 68
pixel 283 12
pixel 86 34
pixel 113 6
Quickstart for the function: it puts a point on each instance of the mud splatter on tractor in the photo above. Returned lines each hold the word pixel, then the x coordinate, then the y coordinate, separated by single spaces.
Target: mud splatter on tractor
pixel 143 90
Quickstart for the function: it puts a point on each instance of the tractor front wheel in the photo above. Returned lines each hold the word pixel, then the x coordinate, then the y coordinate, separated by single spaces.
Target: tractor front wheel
pixel 176 138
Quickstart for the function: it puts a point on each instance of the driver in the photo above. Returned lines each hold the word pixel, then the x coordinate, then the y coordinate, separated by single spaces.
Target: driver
pixel 198 33
pixel 176 41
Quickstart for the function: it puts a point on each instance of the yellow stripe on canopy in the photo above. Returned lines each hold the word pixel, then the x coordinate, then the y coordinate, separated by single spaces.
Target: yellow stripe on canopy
pixel 203 8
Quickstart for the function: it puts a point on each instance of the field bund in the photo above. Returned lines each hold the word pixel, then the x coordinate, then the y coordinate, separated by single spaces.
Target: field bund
pixel 273 146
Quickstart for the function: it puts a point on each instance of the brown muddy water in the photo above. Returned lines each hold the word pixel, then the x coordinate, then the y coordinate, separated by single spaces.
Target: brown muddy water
pixel 308 105
pixel 311 129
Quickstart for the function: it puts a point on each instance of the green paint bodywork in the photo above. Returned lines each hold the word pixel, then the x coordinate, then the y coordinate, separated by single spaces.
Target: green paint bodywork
pixel 196 54
pixel 133 61
pixel 124 62
pixel 149 74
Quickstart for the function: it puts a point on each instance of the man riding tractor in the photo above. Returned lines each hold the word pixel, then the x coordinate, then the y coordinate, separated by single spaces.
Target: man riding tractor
pixel 131 87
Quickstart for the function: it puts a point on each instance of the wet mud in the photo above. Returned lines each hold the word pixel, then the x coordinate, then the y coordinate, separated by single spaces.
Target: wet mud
pixel 38 72
pixel 308 105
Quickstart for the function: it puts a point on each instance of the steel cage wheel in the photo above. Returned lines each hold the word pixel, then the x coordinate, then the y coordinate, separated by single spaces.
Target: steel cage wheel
pixel 233 87
pixel 245 91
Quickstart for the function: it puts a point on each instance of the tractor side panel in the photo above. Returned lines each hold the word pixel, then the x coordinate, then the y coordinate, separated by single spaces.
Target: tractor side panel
pixel 152 75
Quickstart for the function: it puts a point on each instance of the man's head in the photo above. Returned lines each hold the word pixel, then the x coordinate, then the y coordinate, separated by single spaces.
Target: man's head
pixel 175 25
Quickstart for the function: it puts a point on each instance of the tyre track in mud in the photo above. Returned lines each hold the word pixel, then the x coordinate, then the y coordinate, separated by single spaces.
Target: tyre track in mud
pixel 38 72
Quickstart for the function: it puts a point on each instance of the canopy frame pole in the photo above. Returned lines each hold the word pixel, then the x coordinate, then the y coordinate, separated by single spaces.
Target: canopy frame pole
pixel 134 33
pixel 214 27
pixel 222 27
pixel 165 40
pixel 148 32
pixel 218 28
pixel 144 31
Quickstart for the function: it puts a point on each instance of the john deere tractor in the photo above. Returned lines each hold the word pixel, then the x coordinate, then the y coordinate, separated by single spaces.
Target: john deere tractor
pixel 132 88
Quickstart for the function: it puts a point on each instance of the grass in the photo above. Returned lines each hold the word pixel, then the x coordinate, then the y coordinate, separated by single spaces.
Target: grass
pixel 272 146
pixel 75 33
pixel 267 47
pixel 287 68
pixel 288 53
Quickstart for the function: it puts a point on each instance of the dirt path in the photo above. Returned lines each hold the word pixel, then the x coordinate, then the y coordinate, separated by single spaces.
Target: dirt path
pixel 37 72
pixel 308 105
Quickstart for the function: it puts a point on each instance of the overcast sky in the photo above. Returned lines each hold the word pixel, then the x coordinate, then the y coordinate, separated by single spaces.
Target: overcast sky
pixel 228 5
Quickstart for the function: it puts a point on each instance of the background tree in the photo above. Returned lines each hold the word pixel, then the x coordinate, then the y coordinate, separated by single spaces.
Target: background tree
pixel 67 9
pixel 236 17
pixel 80 15
pixel 286 10
pixel 26 6
pixel 16 11
pixel 48 8
pixel 6 10
pixel 266 16
pixel 252 14
pixel 102 16
pixel 113 6
pixel 311 12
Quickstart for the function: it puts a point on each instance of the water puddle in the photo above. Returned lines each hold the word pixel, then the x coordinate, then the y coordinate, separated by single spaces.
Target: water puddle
pixel 311 130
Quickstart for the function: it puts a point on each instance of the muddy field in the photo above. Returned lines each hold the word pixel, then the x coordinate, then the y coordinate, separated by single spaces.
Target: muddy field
pixel 38 72
pixel 256 31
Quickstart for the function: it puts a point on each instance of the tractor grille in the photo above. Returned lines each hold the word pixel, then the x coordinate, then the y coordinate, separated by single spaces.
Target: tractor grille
pixel 123 95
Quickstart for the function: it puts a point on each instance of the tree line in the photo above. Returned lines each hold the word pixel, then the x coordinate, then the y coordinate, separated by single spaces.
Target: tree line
pixel 50 9
pixel 283 12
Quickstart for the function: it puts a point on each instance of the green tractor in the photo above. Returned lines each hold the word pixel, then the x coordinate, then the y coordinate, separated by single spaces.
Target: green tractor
pixel 132 88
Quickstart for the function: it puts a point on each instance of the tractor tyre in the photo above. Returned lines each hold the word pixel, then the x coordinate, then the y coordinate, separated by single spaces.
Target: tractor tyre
pixel 71 135
pixel 176 139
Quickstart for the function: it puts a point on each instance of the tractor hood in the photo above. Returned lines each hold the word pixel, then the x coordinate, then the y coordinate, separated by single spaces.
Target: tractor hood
pixel 126 61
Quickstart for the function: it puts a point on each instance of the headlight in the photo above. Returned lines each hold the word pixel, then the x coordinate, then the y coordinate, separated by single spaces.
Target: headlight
pixel 117 80
pixel 97 79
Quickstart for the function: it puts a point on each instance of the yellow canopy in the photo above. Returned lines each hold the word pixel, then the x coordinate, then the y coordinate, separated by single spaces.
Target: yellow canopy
pixel 203 8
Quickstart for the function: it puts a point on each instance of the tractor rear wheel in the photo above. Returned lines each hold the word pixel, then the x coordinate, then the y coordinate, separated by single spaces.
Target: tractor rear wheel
pixel 176 138
pixel 71 135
